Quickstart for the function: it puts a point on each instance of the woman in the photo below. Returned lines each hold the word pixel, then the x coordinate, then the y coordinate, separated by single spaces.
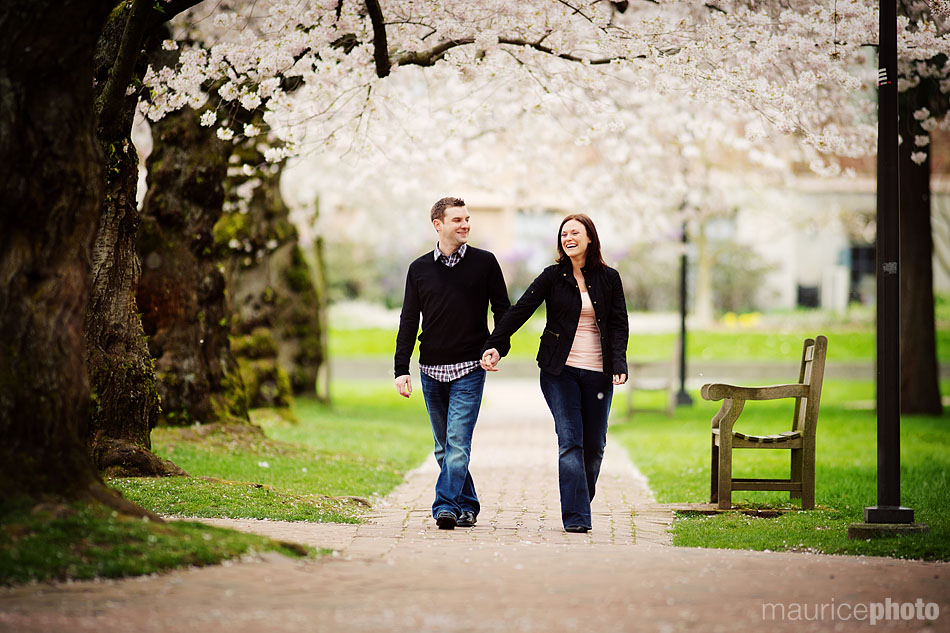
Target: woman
pixel 582 355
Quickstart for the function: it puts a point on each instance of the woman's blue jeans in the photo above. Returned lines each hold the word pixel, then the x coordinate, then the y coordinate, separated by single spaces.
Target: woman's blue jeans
pixel 453 409
pixel 579 400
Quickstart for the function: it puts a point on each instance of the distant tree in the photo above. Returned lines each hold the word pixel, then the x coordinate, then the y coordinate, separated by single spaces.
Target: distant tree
pixel 182 291
pixel 924 101
pixel 276 317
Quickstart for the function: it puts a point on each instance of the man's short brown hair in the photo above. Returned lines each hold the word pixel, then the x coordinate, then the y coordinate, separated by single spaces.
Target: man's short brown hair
pixel 438 209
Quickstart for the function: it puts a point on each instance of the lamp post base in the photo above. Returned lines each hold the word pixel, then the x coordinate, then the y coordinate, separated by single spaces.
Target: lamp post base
pixel 888 514
pixel 886 521
pixel 683 399
pixel 864 531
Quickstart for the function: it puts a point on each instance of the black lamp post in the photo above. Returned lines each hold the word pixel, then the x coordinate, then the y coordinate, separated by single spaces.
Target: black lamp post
pixel 888 516
pixel 683 398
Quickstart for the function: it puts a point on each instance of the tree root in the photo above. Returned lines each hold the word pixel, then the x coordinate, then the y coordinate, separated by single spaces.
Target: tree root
pixel 121 458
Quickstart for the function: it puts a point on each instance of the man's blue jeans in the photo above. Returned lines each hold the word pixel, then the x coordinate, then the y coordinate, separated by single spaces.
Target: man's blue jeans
pixel 579 400
pixel 453 409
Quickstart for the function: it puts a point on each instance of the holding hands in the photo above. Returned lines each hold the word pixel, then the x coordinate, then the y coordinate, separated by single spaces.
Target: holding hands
pixel 490 360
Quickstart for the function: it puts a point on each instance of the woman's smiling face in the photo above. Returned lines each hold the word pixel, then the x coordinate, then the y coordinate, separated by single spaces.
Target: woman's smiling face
pixel 574 239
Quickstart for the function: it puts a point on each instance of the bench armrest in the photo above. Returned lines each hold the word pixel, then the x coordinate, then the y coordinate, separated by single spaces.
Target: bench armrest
pixel 719 391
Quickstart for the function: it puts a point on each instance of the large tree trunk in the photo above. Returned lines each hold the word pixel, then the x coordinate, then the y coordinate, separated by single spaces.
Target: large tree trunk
pixel 126 403
pixel 51 190
pixel 920 389
pixel 50 195
pixel 181 292
pixel 276 327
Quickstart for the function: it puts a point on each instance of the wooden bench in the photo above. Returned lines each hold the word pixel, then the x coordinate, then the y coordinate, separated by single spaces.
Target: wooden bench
pixel 637 381
pixel 800 440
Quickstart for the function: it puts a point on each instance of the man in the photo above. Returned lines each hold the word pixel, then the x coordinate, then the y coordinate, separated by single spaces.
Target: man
pixel 451 287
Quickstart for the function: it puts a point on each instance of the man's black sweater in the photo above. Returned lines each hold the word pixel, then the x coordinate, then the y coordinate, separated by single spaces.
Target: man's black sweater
pixel 454 306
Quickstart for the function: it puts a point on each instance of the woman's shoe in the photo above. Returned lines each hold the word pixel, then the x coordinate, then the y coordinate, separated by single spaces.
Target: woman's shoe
pixel 446 520
pixel 576 528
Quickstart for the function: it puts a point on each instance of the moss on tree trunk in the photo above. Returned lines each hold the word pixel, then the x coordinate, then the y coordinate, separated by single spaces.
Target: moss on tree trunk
pixel 270 286
pixel 181 292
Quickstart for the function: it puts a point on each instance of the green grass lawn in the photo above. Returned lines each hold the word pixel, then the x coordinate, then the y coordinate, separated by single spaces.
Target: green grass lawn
pixel 80 541
pixel 674 455
pixel 849 344
pixel 317 469
pixel 309 470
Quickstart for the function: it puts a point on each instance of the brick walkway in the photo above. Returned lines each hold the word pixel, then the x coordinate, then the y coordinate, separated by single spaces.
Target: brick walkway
pixel 515 571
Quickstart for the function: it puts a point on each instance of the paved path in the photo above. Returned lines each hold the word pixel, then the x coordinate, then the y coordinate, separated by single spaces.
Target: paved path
pixel 516 571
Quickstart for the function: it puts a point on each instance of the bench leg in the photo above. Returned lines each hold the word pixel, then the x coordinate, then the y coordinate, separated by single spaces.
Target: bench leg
pixel 796 473
pixel 714 473
pixel 725 476
pixel 808 477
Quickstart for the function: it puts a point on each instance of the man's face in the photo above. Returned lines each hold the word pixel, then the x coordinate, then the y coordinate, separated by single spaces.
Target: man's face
pixel 452 229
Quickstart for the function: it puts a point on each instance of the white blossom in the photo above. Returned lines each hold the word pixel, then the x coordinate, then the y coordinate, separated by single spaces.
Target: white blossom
pixel 689 89
pixel 274 154
pixel 919 157
pixel 208 118
pixel 225 133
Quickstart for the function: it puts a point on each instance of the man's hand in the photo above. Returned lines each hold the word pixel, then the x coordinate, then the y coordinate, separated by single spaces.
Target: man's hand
pixel 490 360
pixel 404 386
pixel 619 379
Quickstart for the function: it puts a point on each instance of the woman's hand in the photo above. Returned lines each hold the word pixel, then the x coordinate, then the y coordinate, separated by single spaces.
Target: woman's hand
pixel 490 360
pixel 619 379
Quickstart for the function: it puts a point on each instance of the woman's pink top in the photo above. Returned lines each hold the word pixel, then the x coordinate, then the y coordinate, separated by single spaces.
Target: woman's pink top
pixel 586 352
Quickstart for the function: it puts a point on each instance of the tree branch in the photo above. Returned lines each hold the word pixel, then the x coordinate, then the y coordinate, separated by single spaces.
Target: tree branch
pixel 142 17
pixel 112 96
pixel 434 54
pixel 380 46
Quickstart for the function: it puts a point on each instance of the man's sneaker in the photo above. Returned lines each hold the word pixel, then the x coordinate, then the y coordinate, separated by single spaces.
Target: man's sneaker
pixel 446 520
pixel 467 519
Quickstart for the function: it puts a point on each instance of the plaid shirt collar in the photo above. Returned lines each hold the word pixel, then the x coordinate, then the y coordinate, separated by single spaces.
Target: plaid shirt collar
pixel 449 260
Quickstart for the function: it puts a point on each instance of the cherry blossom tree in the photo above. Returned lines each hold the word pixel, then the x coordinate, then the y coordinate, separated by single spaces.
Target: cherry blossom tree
pixel 317 72
pixel 924 104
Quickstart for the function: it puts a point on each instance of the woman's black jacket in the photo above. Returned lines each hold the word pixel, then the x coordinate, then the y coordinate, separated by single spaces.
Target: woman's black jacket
pixel 557 287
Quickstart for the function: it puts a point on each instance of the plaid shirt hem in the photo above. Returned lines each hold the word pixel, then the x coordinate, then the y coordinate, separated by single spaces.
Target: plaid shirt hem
pixel 448 373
